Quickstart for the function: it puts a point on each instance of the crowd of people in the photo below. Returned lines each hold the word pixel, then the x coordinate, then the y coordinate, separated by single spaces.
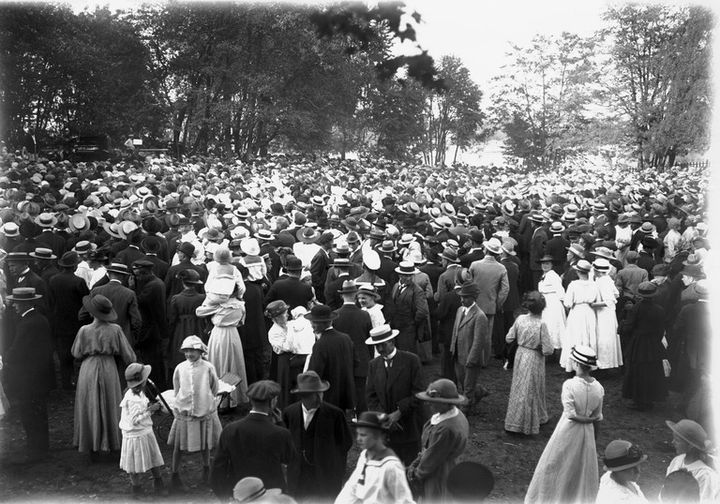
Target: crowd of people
pixel 315 292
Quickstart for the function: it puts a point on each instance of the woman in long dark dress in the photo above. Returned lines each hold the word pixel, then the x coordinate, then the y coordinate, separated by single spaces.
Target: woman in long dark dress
pixel 643 329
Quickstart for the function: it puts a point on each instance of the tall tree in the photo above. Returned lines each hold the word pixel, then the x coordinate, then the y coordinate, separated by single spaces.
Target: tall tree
pixel 661 79
pixel 541 98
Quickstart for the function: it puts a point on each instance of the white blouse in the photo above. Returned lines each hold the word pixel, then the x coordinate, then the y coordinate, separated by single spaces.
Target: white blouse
pixel 376 481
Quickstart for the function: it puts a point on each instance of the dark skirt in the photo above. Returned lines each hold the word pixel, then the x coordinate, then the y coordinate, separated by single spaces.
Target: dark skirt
pixel 288 367
pixel 644 382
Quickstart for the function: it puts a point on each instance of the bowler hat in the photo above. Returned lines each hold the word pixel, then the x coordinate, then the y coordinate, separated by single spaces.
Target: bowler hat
pixel 321 313
pixel 309 382
pixel 442 391
pixel 100 307
pixel 187 248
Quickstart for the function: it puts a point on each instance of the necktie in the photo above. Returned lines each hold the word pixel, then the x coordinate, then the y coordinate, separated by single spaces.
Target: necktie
pixel 388 363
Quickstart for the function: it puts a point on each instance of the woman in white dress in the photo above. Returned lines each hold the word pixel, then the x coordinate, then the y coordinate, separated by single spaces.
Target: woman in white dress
pixel 225 350
pixel 622 469
pixel 550 286
pixel 609 350
pixel 568 468
pixel 379 477
pixel 581 324
pixel 693 454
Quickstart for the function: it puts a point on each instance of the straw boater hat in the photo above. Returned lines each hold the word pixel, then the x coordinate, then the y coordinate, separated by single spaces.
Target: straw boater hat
pixel 583 354
pixel 136 374
pixel 100 307
pixel 193 343
pixel 406 268
pixel 442 391
pixel 43 253
pixel 367 289
pixel 583 266
pixel 621 455
pixel 309 382
pixel 381 334
pixel 23 294
pixel 348 287
pixel 692 433
pixel 493 245
pixel 46 220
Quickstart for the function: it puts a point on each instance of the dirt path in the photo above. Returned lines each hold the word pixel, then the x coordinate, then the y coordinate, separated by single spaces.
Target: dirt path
pixel 69 475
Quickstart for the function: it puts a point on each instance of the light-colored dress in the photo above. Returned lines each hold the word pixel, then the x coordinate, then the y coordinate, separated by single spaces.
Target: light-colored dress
pixel 376 315
pixel 568 467
pixel 609 349
pixel 550 286
pixel 98 393
pixel 376 481
pixel 707 477
pixel 140 451
pixel 527 407
pixel 581 324
pixel 196 425
pixel 611 491
pixel 225 350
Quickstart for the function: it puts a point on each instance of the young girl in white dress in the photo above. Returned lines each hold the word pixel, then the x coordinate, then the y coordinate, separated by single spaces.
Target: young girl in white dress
pixel 609 350
pixel 139 451
pixel 196 427
pixel 550 286
pixel 581 323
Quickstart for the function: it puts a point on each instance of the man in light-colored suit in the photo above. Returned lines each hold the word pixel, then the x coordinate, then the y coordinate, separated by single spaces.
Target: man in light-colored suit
pixel 491 279
pixel 470 345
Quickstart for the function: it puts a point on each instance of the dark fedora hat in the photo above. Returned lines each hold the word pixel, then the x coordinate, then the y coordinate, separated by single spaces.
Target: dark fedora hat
pixel 373 420
pixel 187 248
pixel 69 259
pixel 309 383
pixel 469 289
pixel 100 307
pixel 292 263
pixel 321 313
pixel 190 276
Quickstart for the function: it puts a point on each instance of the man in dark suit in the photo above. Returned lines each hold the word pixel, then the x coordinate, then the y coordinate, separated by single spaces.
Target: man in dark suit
pixel 557 248
pixel 290 289
pixel 393 379
pixel 387 264
pixel 22 276
pixel 538 242
pixel 446 312
pixel 333 357
pixel 476 249
pixel 356 323
pixel 512 301
pixel 132 253
pixel 254 445
pixel 47 237
pixel 173 283
pixel 45 263
pixel 151 246
pixel 28 369
pixel 68 290
pixel 322 439
pixel 320 264
pixel 151 345
pixel 410 310
pixel 124 301
pixel 341 269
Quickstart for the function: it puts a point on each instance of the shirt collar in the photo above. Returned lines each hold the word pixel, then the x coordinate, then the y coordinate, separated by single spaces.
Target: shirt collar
pixel 439 417
pixel 26 312
pixel 392 354
pixel 259 412
pixel 308 411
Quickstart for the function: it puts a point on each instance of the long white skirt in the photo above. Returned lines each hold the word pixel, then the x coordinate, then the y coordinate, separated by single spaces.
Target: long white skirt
pixel 609 350
pixel 225 352
pixel 554 317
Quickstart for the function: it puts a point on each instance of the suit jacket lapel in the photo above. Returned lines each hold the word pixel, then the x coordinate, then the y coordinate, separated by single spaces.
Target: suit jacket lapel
pixel 472 312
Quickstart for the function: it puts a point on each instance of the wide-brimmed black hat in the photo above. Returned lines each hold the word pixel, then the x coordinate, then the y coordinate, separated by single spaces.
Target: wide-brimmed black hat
pixel 321 313
pixel 69 259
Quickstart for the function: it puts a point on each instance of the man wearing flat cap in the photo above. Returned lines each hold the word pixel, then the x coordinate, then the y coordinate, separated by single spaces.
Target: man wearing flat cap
pixel 254 445
pixel 28 368
pixel 322 439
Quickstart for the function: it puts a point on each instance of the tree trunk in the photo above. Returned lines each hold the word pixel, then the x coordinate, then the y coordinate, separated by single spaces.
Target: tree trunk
pixel 455 155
